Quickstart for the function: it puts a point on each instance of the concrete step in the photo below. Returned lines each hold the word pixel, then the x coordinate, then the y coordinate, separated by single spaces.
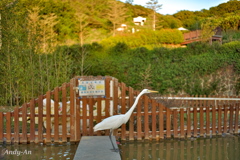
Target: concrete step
pixel 96 148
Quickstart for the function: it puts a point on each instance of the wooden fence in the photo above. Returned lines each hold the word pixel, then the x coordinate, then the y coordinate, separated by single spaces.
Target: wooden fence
pixel 62 115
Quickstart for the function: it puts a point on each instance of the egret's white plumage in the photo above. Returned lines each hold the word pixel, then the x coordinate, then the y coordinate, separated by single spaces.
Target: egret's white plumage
pixel 116 121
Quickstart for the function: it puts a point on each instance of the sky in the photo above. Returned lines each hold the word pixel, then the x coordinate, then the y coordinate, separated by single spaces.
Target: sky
pixel 173 6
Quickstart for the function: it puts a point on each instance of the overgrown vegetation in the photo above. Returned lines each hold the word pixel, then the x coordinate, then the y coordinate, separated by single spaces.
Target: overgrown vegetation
pixel 44 44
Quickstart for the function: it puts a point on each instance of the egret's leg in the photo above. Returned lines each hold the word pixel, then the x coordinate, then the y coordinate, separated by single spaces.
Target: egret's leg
pixel 110 137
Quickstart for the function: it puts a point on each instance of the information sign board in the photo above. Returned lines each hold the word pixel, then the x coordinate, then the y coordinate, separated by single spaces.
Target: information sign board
pixel 91 87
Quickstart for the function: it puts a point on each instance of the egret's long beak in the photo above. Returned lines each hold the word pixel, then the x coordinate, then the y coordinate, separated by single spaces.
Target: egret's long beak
pixel 152 91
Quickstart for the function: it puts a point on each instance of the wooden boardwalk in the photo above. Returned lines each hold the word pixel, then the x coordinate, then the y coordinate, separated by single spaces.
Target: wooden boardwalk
pixel 195 36
pixel 96 148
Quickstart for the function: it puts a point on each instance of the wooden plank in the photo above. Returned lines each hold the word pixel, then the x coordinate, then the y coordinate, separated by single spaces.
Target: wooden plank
pixel 146 118
pixel 115 96
pixel 131 120
pixel 175 123
pixel 201 118
pixel 56 115
pixel 99 113
pixel 190 119
pixel 189 122
pixel 231 118
pixel 161 120
pixel 90 103
pixel 1 127
pixel 32 120
pixel 207 118
pixel 236 118
pixel 8 127
pixel 40 119
pixel 77 113
pixel 123 109
pixel 182 130
pixel 107 100
pixel 24 124
pixel 219 119
pixel 48 117
pixel 225 125
pixel 195 122
pixel 72 111
pixel 139 119
pixel 168 122
pixel 213 120
pixel 84 116
pixel 213 117
pixel 154 118
pixel 78 120
pixel 16 125
pixel 64 113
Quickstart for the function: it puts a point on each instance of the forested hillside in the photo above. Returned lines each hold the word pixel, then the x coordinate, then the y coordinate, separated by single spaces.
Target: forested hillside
pixel 45 43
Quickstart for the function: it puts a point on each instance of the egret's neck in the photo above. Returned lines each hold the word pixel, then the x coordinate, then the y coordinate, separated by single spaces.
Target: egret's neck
pixel 129 112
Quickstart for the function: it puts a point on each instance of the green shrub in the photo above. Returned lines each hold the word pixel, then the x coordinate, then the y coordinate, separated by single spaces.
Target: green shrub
pixel 146 37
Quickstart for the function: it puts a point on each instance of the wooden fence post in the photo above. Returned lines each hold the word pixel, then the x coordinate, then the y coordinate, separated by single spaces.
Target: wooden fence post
pixel 195 120
pixel 219 119
pixel 161 120
pixel 168 122
pixel 225 125
pixel 32 120
pixel 78 125
pixel 131 120
pixel 139 119
pixel 236 118
pixel 146 118
pixel 48 118
pixel 182 125
pixel 40 119
pixel 123 109
pixel 72 111
pixel 207 117
pixel 189 123
pixel 99 113
pixel 56 115
pixel 8 126
pixel 107 99
pixel 16 125
pixel 154 121
pixel 213 117
pixel 201 114
pixel 24 124
pixel 64 113
pixel 1 127
pixel 175 123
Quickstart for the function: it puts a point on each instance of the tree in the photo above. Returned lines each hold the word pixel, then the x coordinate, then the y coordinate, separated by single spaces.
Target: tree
pixel 153 4
pixel 129 1
pixel 83 21
pixel 116 13
pixel 208 27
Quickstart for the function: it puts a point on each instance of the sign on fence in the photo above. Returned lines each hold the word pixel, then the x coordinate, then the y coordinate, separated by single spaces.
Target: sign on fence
pixel 91 87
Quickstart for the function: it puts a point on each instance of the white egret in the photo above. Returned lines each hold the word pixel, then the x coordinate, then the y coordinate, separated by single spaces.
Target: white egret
pixel 116 121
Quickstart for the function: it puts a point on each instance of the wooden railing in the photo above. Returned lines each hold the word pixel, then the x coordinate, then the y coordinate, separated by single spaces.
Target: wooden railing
pixel 61 116
pixel 192 36
pixel 196 35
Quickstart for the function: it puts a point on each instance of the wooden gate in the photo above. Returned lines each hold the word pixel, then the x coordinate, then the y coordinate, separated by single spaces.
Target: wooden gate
pixel 64 114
